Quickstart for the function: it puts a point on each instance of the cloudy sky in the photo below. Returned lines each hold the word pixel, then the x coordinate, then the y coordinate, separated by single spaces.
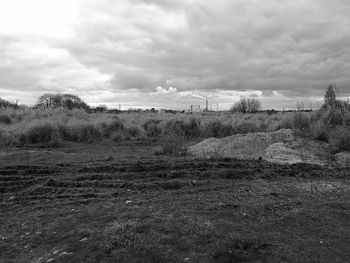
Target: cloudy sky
pixel 166 53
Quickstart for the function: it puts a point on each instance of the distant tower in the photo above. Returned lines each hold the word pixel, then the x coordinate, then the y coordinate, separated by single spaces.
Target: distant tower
pixel 206 105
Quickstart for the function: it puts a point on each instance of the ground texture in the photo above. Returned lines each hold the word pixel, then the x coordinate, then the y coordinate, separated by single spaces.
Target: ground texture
pixel 121 203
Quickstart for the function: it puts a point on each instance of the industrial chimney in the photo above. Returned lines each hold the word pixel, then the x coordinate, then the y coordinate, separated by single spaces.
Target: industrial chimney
pixel 206 105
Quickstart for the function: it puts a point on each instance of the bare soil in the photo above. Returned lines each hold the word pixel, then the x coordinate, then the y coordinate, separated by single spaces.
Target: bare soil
pixel 122 203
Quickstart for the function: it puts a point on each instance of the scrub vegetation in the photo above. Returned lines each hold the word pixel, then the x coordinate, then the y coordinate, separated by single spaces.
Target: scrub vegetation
pixel 82 184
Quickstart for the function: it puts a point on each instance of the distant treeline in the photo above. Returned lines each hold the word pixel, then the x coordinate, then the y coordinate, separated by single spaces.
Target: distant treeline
pixel 4 104
pixel 244 105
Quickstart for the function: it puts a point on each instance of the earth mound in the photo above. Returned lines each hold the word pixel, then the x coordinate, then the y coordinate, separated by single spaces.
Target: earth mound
pixel 283 146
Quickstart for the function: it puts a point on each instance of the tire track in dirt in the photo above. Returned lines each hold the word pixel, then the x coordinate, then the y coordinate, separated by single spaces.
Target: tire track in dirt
pixel 63 182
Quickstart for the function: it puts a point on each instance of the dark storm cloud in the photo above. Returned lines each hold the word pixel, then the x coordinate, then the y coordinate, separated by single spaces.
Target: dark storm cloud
pixel 295 47
pixel 290 46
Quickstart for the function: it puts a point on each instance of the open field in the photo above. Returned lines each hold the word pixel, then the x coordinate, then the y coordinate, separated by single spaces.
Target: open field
pixel 121 203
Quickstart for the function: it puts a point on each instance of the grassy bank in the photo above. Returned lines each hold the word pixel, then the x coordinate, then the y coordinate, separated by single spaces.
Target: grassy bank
pixel 50 127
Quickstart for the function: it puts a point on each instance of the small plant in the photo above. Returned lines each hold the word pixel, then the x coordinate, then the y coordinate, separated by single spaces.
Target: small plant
pixel 151 127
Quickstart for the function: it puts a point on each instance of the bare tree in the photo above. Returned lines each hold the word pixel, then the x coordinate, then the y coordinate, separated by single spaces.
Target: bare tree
pixel 69 101
pixel 246 105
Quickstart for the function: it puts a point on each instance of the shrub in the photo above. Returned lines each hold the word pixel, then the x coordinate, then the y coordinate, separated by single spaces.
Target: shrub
pixel 218 129
pixel 189 129
pixel 88 133
pixel 245 127
pixel 133 131
pixel 109 128
pixel 347 119
pixel 246 105
pixel 340 139
pixel 66 133
pixel 286 123
pixel 301 121
pixel 319 131
pixel 5 119
pixel 119 136
pixel 334 117
pixel 6 138
pixel 40 133
pixel 173 145
pixel 151 127
pixel 80 133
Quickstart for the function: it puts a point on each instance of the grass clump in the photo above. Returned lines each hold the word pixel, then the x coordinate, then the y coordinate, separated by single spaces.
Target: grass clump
pixel 42 133
pixel 108 128
pixel 5 119
pixel 339 139
pixel 245 127
pixel 152 128
pixel 217 129
pixel 173 145
pixel 84 132
pixel 119 136
pixel 302 121
pixel 133 131
pixel 181 128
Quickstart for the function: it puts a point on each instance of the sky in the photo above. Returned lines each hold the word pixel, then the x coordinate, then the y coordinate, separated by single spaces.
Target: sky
pixel 171 54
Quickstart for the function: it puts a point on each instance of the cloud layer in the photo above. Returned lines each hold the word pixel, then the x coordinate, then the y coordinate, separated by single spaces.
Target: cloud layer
pixel 163 53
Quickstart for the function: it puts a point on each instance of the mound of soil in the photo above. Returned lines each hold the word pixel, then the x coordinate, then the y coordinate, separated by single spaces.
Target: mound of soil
pixel 298 151
pixel 241 146
pixel 282 146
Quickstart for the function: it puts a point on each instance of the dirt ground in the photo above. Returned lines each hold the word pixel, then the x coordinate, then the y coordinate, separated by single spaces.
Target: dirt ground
pixel 122 203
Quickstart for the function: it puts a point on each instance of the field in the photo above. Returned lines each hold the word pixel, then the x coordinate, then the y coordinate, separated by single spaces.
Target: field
pixel 119 202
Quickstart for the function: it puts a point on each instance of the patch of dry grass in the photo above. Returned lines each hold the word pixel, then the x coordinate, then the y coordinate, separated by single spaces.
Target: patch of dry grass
pixel 79 126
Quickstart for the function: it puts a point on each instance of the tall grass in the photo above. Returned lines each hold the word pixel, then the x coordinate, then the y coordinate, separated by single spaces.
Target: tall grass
pixel 54 126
